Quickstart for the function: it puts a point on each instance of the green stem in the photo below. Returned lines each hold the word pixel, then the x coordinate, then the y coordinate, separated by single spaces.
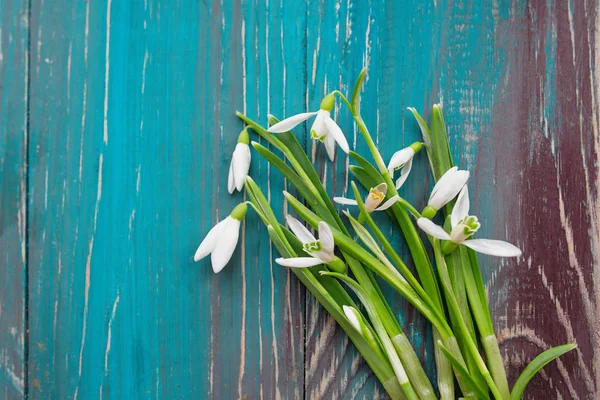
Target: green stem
pixel 444 371
pixel 453 262
pixel 406 273
pixel 372 354
pixel 374 151
pixel 388 346
pixel 454 308
pixel 481 314
pixel 289 145
pixel 344 99
pixel 346 244
pixel 413 367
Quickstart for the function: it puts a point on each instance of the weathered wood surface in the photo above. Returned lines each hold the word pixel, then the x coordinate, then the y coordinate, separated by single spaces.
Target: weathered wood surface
pixel 116 130
pixel 13 197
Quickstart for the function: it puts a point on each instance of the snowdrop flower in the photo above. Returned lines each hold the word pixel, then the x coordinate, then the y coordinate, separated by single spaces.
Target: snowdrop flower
pixel 402 159
pixel 463 227
pixel 240 163
pixel 320 251
pixel 221 240
pixel 323 128
pixel 446 189
pixel 373 200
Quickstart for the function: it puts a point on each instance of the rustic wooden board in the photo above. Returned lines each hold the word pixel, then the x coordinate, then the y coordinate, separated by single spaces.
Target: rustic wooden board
pixel 120 170
pixel 13 197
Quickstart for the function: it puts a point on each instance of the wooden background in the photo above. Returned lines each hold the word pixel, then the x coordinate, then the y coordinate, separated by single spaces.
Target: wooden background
pixel 116 131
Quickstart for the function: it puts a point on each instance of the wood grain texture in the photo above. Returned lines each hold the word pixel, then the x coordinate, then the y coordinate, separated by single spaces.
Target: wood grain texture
pixel 130 132
pixel 13 197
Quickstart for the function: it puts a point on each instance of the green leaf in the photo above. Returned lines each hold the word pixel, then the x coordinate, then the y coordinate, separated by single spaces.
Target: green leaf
pixel 388 346
pixel 370 170
pixel 357 89
pixel 462 371
pixel 537 364
pixel 439 143
pixel 425 133
pixel 262 132
pixel 287 172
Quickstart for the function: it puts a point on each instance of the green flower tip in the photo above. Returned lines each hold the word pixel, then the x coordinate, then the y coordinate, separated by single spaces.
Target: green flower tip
pixel 328 102
pixel 239 212
pixel 314 135
pixel 244 137
pixel 470 225
pixel 416 146
pixel 429 212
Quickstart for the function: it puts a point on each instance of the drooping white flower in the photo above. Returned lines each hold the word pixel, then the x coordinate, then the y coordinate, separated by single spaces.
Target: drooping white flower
pixel 221 240
pixel 402 159
pixel 373 199
pixel 321 251
pixel 240 163
pixel 445 190
pixel 463 227
pixel 324 128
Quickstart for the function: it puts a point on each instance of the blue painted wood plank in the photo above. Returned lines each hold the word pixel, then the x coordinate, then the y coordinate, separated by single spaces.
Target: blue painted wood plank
pixel 13 206
pixel 133 124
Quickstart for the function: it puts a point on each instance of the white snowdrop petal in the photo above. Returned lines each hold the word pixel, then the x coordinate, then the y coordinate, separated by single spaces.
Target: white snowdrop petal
pixel 299 230
pixel 326 238
pixel 443 180
pixel 461 207
pixel 231 178
pixel 241 164
pixel 208 244
pixel 496 248
pixel 226 244
pixel 388 203
pixel 318 125
pixel 434 230
pixel 345 201
pixel 330 147
pixel 448 187
pixel 400 158
pixel 298 262
pixel 404 174
pixel 334 130
pixel 291 122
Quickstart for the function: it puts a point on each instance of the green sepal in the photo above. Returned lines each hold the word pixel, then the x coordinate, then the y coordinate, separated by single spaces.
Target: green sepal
pixel 244 137
pixel 239 212
pixel 328 102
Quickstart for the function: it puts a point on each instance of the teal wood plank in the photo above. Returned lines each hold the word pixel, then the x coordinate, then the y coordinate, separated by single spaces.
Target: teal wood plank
pixel 13 193
pixel 133 122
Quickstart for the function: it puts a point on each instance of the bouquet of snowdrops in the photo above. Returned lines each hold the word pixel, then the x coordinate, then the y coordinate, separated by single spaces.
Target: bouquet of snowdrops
pixel 334 260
